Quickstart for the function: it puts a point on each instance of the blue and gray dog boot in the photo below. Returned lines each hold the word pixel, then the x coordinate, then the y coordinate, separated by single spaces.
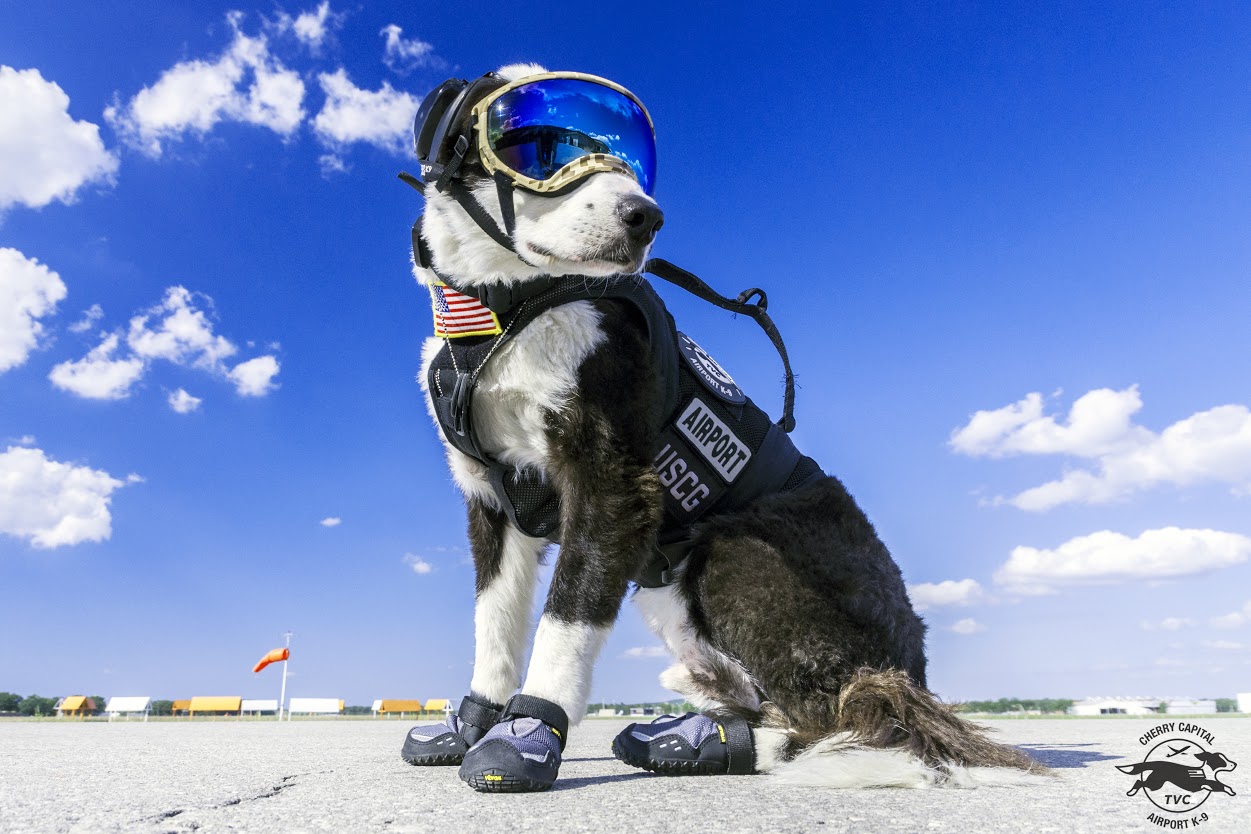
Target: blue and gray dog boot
pixel 522 752
pixel 691 744
pixel 447 743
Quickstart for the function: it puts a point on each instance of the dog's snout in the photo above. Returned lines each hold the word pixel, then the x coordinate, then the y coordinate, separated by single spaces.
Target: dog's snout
pixel 642 217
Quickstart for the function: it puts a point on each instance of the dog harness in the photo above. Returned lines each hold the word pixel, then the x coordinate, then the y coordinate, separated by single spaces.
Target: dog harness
pixel 715 450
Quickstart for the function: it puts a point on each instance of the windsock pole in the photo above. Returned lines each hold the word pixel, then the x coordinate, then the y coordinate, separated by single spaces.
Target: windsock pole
pixel 282 698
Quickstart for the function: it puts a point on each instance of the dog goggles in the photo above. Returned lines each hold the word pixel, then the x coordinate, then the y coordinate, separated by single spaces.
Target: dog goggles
pixel 548 131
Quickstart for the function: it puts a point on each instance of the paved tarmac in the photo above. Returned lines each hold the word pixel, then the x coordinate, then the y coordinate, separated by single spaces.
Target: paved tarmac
pixel 347 776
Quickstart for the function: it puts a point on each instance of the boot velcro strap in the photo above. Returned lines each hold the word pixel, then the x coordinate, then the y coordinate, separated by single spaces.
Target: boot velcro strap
pixel 478 711
pixel 528 706
pixel 739 747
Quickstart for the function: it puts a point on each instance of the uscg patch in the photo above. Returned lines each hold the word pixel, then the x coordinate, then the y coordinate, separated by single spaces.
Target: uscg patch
pixel 709 372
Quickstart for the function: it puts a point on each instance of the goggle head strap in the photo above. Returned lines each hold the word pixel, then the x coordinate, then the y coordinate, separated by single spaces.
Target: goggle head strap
pixel 438 152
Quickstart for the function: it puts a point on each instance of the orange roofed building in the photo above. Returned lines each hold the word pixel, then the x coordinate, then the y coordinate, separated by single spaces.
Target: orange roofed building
pixel 77 705
pixel 227 704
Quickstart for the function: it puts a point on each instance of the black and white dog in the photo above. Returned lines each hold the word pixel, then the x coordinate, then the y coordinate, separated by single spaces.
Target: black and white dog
pixel 789 613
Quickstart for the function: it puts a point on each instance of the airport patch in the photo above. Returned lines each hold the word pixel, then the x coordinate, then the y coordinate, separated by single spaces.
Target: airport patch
pixel 714 440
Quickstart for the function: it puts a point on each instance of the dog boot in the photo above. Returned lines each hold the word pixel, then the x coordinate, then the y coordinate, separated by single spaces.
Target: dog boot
pixel 447 743
pixel 690 744
pixel 522 752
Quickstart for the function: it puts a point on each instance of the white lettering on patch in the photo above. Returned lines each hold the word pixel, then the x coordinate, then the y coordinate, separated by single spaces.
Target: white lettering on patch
pixel 714 440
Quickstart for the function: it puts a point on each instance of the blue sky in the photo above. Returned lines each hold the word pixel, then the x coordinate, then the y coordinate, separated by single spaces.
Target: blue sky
pixel 1007 247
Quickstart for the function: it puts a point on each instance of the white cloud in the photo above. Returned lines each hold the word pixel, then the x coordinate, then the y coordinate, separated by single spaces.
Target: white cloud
pixel 29 291
pixel 246 84
pixel 331 521
pixel 1212 446
pixel 420 566
pixel 967 626
pixel 91 315
pixel 1234 619
pixel 44 154
pixel 98 375
pixel 312 27
pixel 1169 624
pixel 383 118
pixel 50 503
pixel 255 377
pixel 178 330
pixel 1106 558
pixel 1224 645
pixel 646 652
pixel 403 55
pixel 926 595
pixel 183 403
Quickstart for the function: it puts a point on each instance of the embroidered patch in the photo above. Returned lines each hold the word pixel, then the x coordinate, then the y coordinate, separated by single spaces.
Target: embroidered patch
pixel 709 372
pixel 714 440
pixel 457 314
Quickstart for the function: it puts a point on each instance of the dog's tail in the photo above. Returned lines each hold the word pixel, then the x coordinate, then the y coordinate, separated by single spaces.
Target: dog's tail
pixel 886 731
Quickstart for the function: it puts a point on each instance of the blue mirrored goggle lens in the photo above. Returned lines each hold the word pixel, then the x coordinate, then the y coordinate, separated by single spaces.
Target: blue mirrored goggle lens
pixel 539 128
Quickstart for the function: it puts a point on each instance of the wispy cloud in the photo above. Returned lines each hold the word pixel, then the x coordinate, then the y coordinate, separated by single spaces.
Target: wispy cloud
pixel 331 521
pixel 964 592
pixel 1212 446
pixel 1234 619
pixel 403 55
pixel 45 155
pixel 1168 624
pixel 183 403
pixel 1107 558
pixel 311 28
pixel 418 565
pixel 178 330
pixel 645 652
pixel 967 626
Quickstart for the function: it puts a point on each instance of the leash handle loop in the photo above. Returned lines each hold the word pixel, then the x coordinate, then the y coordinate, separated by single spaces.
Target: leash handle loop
pixel 695 286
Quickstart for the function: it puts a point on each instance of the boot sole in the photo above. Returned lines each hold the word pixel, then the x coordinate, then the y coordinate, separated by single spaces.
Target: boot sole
pixel 638 754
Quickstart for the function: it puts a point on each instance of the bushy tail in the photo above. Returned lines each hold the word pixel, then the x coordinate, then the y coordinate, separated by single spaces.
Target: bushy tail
pixel 885 730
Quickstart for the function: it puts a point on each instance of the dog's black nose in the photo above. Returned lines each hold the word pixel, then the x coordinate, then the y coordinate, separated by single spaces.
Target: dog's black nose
pixel 641 216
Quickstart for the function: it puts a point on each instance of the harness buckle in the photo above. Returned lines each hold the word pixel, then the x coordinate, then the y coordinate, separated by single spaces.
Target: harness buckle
pixel 462 393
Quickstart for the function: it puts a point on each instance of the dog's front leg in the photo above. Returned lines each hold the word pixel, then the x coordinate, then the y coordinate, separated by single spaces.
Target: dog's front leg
pixel 603 545
pixel 608 520
pixel 506 562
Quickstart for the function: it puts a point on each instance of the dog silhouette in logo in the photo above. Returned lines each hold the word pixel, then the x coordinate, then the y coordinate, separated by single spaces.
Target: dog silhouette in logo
pixel 1154 775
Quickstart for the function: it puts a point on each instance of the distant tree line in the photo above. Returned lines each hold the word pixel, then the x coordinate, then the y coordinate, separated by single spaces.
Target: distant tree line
pixel 660 708
pixel 33 705
pixel 1006 705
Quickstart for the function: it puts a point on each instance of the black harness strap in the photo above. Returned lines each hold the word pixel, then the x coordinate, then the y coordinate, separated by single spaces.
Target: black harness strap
pixel 743 304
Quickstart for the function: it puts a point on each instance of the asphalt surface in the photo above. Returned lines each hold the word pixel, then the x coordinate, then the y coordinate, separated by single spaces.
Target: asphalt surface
pixel 346 775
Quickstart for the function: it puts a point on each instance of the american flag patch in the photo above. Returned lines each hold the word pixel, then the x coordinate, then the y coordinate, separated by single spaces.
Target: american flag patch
pixel 457 314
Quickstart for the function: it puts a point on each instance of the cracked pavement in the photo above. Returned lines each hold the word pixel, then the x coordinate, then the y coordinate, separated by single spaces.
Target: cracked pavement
pixel 346 775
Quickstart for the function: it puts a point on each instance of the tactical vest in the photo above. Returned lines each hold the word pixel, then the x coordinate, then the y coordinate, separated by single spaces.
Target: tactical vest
pixel 716 451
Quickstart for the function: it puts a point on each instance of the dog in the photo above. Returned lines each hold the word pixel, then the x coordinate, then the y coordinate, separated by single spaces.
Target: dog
pixel 1155 775
pixel 788 615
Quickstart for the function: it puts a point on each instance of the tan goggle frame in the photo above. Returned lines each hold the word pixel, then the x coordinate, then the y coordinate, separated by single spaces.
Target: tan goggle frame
pixel 581 167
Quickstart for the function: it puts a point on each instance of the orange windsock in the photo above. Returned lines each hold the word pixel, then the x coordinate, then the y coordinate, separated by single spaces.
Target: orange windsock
pixel 276 656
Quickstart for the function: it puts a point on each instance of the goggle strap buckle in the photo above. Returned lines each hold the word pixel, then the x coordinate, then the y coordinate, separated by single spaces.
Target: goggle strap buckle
pixel 453 165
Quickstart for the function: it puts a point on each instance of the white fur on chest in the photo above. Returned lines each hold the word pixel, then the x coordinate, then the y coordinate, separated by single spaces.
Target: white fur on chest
pixel 535 372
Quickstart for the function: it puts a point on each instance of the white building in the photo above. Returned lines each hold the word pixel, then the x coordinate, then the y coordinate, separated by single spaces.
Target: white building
pixel 1191 706
pixel 258 705
pixel 1244 701
pixel 1116 706
pixel 136 705
pixel 315 706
